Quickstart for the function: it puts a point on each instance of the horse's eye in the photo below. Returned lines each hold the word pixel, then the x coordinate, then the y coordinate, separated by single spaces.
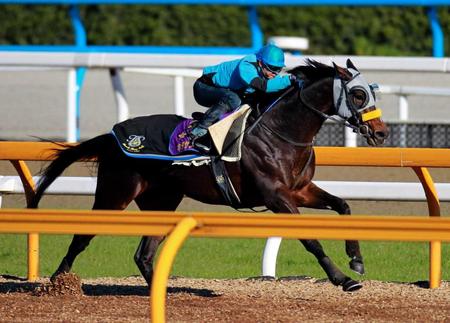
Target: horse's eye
pixel 358 98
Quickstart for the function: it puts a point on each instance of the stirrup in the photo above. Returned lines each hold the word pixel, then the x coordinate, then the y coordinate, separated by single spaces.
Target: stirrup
pixel 200 147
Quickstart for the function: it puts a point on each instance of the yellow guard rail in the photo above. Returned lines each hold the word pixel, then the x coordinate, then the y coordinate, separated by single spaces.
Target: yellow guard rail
pixel 181 224
pixel 416 158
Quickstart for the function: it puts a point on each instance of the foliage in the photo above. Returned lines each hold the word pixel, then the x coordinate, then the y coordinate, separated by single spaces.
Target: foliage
pixel 331 30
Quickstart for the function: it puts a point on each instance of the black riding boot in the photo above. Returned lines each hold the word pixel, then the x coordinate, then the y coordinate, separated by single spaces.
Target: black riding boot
pixel 213 115
pixel 210 117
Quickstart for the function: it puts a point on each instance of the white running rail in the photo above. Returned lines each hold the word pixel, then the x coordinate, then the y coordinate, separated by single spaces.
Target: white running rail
pixel 385 191
pixel 181 66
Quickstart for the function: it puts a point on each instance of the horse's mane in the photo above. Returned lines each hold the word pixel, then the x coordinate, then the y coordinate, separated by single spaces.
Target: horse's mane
pixel 313 70
pixel 310 73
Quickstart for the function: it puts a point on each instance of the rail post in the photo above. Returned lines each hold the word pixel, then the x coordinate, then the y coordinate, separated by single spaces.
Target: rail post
pixel 32 238
pixel 433 210
pixel 163 266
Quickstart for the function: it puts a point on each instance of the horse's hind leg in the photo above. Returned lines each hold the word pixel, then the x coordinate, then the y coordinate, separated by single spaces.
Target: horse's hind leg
pixel 116 188
pixel 314 197
pixel 160 199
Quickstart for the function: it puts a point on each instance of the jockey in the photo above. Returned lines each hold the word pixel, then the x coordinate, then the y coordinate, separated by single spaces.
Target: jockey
pixel 222 87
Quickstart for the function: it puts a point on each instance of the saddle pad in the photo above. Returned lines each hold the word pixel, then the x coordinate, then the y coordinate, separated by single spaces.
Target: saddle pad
pixel 228 133
pixel 228 129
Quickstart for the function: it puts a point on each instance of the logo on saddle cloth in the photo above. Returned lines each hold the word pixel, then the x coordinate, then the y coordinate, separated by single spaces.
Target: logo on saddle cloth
pixel 180 141
pixel 134 143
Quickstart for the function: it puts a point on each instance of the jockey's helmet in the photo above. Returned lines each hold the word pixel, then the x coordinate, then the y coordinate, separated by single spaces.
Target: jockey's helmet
pixel 271 56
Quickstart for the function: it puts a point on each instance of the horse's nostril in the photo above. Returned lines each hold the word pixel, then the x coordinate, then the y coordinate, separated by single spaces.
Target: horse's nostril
pixel 381 134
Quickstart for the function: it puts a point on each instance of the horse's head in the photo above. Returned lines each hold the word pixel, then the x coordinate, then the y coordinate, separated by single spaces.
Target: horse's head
pixel 350 97
pixel 355 102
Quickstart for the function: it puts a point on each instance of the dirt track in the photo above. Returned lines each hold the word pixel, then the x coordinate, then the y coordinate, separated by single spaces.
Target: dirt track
pixel 238 300
pixel 199 300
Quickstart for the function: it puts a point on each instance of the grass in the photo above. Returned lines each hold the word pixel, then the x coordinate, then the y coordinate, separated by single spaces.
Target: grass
pixel 222 258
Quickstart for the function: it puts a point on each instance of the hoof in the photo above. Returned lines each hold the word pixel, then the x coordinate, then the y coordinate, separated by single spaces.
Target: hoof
pixel 357 266
pixel 63 268
pixel 56 274
pixel 351 285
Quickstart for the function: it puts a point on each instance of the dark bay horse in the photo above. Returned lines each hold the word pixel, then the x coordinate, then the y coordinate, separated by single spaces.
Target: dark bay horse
pixel 275 170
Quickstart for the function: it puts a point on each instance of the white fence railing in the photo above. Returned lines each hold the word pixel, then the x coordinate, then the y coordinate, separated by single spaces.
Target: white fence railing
pixel 181 66
pixel 357 190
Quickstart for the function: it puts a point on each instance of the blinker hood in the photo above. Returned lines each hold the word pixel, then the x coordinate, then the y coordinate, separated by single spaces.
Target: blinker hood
pixel 341 90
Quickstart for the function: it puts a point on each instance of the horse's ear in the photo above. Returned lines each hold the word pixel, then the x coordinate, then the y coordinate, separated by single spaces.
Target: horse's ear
pixel 351 65
pixel 336 68
pixel 340 71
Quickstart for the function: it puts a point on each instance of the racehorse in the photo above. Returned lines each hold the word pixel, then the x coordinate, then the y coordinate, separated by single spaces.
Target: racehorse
pixel 275 170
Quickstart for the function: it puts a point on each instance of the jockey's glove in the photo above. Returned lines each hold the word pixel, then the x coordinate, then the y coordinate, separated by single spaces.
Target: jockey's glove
pixel 296 81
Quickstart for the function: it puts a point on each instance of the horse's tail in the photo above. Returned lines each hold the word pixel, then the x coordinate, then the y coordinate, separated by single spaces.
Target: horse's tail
pixel 67 155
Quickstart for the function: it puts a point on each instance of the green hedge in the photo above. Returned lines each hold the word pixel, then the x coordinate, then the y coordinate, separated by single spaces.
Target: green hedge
pixel 331 30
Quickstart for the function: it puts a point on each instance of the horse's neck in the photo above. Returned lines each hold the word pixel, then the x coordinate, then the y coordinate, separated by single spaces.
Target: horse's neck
pixel 297 122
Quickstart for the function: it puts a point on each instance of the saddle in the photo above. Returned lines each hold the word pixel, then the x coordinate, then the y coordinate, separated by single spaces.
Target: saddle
pixel 225 136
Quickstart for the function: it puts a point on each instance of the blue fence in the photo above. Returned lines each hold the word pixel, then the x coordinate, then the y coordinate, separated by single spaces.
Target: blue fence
pixel 257 38
pixel 256 32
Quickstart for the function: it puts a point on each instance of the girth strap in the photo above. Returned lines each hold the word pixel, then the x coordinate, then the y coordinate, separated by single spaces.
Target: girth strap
pixel 224 182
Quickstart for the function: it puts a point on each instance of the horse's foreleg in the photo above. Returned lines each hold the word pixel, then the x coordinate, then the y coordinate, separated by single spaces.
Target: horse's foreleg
pixel 335 275
pixel 283 201
pixel 314 197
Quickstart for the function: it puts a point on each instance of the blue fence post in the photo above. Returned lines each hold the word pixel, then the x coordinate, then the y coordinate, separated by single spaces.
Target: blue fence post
pixel 80 42
pixel 436 30
pixel 255 29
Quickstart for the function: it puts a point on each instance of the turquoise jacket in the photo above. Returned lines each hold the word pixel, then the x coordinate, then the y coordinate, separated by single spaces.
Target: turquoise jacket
pixel 245 76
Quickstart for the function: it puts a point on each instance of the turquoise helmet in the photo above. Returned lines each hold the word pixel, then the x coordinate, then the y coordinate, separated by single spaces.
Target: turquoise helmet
pixel 271 55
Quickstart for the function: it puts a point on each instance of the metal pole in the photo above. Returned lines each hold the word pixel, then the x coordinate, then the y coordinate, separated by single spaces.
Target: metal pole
pixel 179 95
pixel 163 266
pixel 255 29
pixel 71 135
pixel 119 95
pixel 80 42
pixel 434 210
pixel 403 115
pixel 350 138
pixel 436 30
pixel 269 264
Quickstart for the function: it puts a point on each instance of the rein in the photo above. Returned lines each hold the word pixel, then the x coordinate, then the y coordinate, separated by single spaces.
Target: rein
pixel 259 121
pixel 339 120
pixel 324 115
pixel 279 135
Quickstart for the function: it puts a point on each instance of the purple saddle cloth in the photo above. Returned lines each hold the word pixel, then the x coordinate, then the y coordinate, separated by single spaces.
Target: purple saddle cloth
pixel 180 141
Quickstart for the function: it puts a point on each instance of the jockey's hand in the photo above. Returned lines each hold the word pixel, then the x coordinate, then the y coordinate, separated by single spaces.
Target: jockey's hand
pixel 295 80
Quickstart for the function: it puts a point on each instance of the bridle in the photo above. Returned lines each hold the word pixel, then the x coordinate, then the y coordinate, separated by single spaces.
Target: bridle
pixel 345 109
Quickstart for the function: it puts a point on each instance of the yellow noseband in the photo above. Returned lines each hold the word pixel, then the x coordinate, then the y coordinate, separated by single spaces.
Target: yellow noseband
pixel 371 115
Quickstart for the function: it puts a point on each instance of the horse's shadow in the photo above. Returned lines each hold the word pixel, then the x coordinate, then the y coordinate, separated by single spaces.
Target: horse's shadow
pixel 21 285
pixel 16 285
pixel 128 290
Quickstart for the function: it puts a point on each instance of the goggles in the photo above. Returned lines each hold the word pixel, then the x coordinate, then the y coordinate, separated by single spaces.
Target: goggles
pixel 271 68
